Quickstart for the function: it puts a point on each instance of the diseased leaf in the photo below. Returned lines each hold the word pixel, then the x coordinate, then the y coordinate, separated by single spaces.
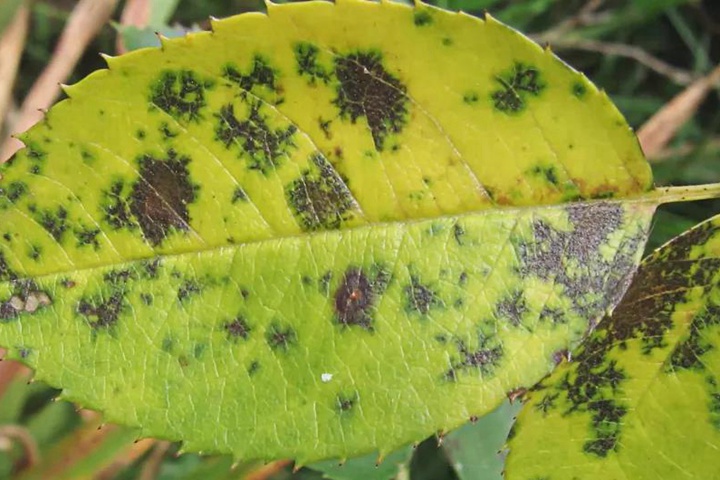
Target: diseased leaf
pixel 368 467
pixel 641 399
pixel 321 232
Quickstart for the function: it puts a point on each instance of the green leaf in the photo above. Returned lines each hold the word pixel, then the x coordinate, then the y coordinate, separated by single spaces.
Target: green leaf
pixel 640 399
pixel 321 232
pixel 475 450
pixel 369 467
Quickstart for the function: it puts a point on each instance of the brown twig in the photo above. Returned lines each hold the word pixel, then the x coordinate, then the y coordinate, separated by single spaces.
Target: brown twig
pixel 136 13
pixel 86 20
pixel 23 437
pixel 152 465
pixel 655 134
pixel 12 43
pixel 126 458
pixel 676 75
pixel 685 149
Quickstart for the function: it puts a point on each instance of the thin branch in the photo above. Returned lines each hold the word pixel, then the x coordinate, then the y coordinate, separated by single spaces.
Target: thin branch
pixel 12 44
pixel 86 20
pixel 657 132
pixel 152 466
pixel 676 75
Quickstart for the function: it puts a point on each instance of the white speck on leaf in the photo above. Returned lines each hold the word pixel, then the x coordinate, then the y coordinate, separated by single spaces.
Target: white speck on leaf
pixel 326 377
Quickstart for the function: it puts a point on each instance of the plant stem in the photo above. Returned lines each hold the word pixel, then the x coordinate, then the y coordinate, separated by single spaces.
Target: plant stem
pixel 686 193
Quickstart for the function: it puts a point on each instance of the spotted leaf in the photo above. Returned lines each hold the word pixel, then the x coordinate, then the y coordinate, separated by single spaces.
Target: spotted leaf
pixel 641 399
pixel 318 232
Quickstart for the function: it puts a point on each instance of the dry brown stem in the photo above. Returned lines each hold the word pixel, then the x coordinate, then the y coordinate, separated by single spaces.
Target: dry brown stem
pixel 12 43
pixel 86 20
pixel 655 134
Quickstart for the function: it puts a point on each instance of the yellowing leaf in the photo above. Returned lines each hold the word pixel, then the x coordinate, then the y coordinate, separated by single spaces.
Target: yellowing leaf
pixel 641 398
pixel 328 230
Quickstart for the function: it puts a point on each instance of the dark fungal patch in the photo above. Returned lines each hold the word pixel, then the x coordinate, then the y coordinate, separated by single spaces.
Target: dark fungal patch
pixel 140 134
pixel 571 258
pixel 237 328
pixel 516 85
pixel 14 191
pixel 115 208
pixel 548 173
pixel 166 132
pixel 688 354
pixel 238 195
pixel 87 236
pixel 458 233
pixel 280 337
pixel 345 403
pixel 547 403
pixel 54 221
pixel 512 308
pixel 579 89
pixel 356 296
pixel 420 298
pixel 367 89
pixel 146 298
pixel 188 289
pixel 485 358
pixel 34 252
pixel 306 59
pixel 320 199
pixel 422 17
pixel 471 98
pixel 253 138
pixel 160 197
pixel 180 93
pixel 354 300
pixel 260 75
pixel 253 368
pixel 102 313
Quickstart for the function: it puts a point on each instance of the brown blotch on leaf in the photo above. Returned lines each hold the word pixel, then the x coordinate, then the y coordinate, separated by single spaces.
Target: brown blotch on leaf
pixel 181 94
pixel 517 84
pixel 280 337
pixel 354 300
pixel 320 199
pixel 160 197
pixel 367 90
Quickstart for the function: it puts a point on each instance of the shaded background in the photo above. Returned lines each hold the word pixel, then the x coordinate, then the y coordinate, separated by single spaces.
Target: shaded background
pixel 657 59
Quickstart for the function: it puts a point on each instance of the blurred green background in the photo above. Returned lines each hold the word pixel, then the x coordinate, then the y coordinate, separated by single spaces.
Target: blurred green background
pixel 614 42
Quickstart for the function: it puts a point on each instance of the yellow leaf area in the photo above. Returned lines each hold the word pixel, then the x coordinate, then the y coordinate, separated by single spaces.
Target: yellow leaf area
pixel 641 400
pixel 331 229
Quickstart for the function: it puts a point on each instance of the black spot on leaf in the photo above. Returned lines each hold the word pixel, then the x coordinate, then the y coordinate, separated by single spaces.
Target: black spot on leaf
pixel 320 199
pixel 261 145
pixel 485 358
pixel 345 403
pixel 238 195
pixel 420 298
pixel 188 289
pixel 87 236
pixel 367 90
pixel 259 75
pixel 280 337
pixel 422 17
pixel 115 208
pixel 237 328
pixel 180 93
pixel 512 308
pixel 356 295
pixel 306 58
pixel 160 196
pixel 55 222
pixel 517 84
pixel 102 313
